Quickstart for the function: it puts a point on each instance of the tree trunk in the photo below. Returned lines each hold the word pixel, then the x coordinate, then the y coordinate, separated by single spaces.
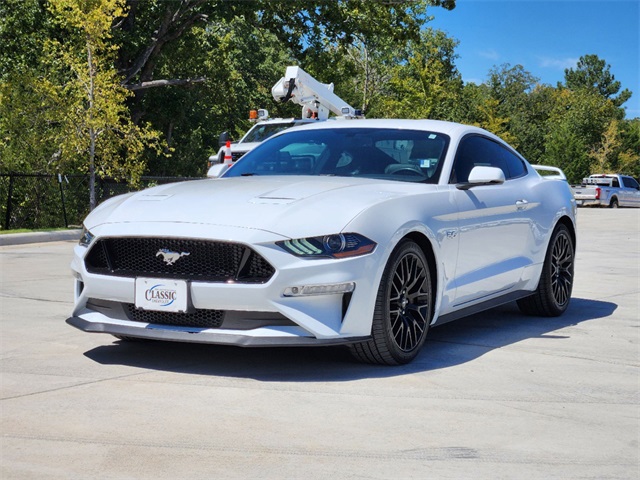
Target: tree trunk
pixel 92 131
pixel 92 174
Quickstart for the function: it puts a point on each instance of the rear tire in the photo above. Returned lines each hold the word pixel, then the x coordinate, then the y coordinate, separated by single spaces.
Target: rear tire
pixel 403 309
pixel 613 203
pixel 553 294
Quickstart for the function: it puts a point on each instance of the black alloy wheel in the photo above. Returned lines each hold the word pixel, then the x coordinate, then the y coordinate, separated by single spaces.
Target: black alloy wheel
pixel 403 309
pixel 562 269
pixel 553 294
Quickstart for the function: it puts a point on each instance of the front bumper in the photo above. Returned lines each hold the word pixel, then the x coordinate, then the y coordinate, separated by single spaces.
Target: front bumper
pixel 161 332
pixel 254 314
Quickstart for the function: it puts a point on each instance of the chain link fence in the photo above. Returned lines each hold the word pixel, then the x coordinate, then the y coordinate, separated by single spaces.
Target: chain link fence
pixel 49 201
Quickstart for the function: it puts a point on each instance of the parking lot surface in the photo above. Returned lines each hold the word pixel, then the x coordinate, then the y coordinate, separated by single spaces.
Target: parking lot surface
pixel 496 395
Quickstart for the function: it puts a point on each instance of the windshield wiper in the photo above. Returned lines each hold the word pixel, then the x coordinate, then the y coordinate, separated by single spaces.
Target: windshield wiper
pixel 248 174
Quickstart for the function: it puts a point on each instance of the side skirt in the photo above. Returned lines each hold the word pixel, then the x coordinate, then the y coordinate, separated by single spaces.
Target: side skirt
pixel 482 306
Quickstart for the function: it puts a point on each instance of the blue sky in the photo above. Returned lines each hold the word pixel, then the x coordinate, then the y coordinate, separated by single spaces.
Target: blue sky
pixel 545 37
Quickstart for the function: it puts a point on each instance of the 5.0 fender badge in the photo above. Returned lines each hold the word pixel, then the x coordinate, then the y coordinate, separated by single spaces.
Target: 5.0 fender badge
pixel 169 256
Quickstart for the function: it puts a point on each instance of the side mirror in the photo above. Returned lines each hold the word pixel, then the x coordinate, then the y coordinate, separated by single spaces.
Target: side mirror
pixel 223 138
pixel 217 170
pixel 482 176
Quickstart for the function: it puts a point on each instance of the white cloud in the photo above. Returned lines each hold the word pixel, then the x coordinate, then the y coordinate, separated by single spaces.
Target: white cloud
pixel 557 63
pixel 491 54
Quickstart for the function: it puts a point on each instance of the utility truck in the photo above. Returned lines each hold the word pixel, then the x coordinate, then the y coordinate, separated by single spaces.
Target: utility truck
pixel 607 190
pixel 317 100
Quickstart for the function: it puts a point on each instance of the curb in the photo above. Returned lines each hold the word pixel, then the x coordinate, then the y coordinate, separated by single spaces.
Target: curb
pixel 39 237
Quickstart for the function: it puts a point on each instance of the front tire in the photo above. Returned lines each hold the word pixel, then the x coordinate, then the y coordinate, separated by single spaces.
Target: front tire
pixel 553 294
pixel 403 309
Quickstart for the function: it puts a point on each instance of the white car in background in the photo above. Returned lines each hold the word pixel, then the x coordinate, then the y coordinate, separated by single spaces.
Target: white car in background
pixel 362 233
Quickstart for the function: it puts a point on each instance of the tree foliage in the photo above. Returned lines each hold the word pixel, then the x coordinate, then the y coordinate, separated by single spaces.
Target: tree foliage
pixel 25 121
pixel 94 85
pixel 578 126
pixel 96 133
pixel 594 74
pixel 424 81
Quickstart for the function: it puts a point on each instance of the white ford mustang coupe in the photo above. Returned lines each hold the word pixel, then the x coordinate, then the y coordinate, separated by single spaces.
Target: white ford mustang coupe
pixel 365 233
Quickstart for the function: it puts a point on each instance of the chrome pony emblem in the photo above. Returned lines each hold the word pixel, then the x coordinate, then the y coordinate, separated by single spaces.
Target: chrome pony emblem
pixel 170 257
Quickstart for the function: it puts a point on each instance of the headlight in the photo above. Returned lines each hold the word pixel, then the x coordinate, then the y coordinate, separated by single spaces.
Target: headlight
pixel 86 238
pixel 339 245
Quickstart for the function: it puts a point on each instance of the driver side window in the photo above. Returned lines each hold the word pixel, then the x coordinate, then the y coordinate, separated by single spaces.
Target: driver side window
pixel 478 151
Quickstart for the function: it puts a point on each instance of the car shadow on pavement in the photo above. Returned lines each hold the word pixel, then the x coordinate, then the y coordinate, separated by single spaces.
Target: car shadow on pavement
pixel 448 345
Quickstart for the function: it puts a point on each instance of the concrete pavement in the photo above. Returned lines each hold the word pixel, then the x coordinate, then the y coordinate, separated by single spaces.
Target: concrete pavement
pixel 496 395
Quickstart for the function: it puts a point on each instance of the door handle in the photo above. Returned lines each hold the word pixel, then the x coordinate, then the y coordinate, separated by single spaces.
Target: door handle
pixel 521 204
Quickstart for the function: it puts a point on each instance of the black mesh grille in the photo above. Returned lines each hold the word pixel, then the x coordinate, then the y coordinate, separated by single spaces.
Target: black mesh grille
pixel 98 257
pixel 196 319
pixel 198 260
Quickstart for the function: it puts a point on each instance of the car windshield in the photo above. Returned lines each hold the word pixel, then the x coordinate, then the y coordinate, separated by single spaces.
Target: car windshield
pixel 385 153
pixel 261 132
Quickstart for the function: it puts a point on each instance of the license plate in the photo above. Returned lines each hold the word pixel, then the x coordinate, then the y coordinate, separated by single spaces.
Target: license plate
pixel 579 202
pixel 161 294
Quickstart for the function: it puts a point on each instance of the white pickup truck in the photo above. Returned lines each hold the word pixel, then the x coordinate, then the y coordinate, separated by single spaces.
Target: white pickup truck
pixel 262 130
pixel 607 190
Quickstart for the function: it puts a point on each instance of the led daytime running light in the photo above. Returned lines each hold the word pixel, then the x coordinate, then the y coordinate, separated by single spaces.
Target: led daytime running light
pixel 302 247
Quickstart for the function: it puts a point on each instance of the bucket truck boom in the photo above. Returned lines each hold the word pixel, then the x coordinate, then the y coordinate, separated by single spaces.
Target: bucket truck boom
pixel 317 100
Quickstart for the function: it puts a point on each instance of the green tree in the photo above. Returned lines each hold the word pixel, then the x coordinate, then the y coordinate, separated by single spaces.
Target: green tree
pixel 196 67
pixel 24 121
pixel 95 131
pixel 605 154
pixel 628 161
pixel 576 127
pixel 530 125
pixel 425 82
pixel 511 87
pixel 476 106
pixel 23 25
pixel 305 28
pixel 241 64
pixel 360 71
pixel 503 104
pixel 492 120
pixel 565 148
pixel 472 96
pixel 594 74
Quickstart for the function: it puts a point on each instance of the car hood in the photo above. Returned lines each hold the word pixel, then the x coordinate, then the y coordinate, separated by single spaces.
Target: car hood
pixel 288 206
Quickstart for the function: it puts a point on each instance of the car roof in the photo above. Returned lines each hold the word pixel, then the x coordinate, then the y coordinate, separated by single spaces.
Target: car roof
pixel 449 128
